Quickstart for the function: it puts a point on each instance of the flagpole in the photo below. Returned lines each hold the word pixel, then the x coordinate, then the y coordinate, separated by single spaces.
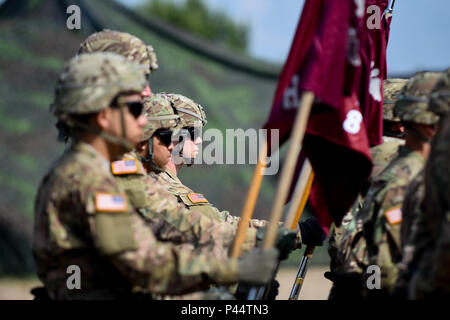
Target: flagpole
pixel 249 206
pixel 298 203
pixel 284 183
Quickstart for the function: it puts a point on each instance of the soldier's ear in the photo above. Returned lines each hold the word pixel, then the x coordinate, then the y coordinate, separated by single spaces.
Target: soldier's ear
pixel 142 146
pixel 103 119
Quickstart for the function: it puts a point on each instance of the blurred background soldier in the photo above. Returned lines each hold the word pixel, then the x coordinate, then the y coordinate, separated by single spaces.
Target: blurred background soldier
pixel 381 214
pixel 346 248
pixel 84 220
pixel 418 226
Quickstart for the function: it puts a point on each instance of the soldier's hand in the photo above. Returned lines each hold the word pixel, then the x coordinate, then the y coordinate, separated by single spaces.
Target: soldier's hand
pixel 312 233
pixel 258 266
pixel 286 242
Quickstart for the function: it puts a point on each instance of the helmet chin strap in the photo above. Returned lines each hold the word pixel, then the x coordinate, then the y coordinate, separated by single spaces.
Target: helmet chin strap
pixel 150 158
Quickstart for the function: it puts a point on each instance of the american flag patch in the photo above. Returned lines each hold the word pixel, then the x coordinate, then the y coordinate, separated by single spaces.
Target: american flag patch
pixel 394 215
pixel 110 202
pixel 125 166
pixel 197 198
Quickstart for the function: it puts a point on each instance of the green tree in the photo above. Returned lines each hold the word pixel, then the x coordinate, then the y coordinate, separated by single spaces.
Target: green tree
pixel 194 16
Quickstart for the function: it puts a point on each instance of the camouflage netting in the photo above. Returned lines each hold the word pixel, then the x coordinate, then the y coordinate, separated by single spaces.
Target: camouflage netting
pixel 35 43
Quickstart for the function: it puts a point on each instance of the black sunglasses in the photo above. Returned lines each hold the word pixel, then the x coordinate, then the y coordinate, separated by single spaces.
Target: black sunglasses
pixel 135 107
pixel 165 136
pixel 191 131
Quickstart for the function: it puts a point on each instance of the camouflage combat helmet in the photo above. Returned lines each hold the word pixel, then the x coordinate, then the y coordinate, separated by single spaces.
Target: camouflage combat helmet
pixel 412 103
pixel 191 113
pixel 125 44
pixel 88 84
pixel 440 96
pixel 160 114
pixel 391 90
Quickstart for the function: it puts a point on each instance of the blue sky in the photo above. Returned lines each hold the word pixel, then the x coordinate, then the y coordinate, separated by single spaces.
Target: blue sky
pixel 420 31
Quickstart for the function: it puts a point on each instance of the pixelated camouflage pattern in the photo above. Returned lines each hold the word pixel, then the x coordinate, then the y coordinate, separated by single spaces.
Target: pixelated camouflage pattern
pixel 171 221
pixel 391 91
pixel 387 191
pixel 337 235
pixel 431 277
pixel 160 114
pixel 412 104
pixel 383 154
pixel 116 251
pixel 174 185
pixel 124 44
pixel 412 211
pixel 88 83
pixel 191 113
pixel 440 97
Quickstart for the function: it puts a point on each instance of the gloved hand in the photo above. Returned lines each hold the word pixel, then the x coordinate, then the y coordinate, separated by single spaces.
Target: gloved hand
pixel 258 266
pixel 312 233
pixel 286 242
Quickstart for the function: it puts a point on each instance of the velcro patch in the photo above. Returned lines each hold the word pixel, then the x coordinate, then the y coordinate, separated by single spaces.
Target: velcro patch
pixel 111 202
pixel 197 198
pixel 124 166
pixel 394 215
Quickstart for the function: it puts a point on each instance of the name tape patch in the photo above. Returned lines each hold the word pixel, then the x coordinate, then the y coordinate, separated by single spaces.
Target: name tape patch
pixel 110 202
pixel 125 166
pixel 197 198
pixel 394 215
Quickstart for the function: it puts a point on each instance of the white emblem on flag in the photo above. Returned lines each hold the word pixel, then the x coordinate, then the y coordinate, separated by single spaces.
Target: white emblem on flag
pixel 108 202
pixel 352 123
pixel 375 83
pixel 124 166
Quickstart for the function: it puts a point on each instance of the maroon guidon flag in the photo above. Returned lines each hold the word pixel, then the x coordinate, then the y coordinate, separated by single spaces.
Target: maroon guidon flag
pixel 326 59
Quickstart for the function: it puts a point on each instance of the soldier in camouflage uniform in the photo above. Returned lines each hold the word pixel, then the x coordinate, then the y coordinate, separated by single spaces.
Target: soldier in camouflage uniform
pixel 169 220
pixel 381 214
pixel 82 216
pixel 172 221
pixel 417 227
pixel 431 277
pixel 126 45
pixel 192 120
pixel 345 249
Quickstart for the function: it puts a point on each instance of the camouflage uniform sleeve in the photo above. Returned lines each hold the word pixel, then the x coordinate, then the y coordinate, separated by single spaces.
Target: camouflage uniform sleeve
pixel 158 267
pixel 233 220
pixel 171 221
pixel 384 244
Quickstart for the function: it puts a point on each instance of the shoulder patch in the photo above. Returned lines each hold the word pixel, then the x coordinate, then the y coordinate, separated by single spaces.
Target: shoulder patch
pixel 111 202
pixel 394 215
pixel 124 166
pixel 197 198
